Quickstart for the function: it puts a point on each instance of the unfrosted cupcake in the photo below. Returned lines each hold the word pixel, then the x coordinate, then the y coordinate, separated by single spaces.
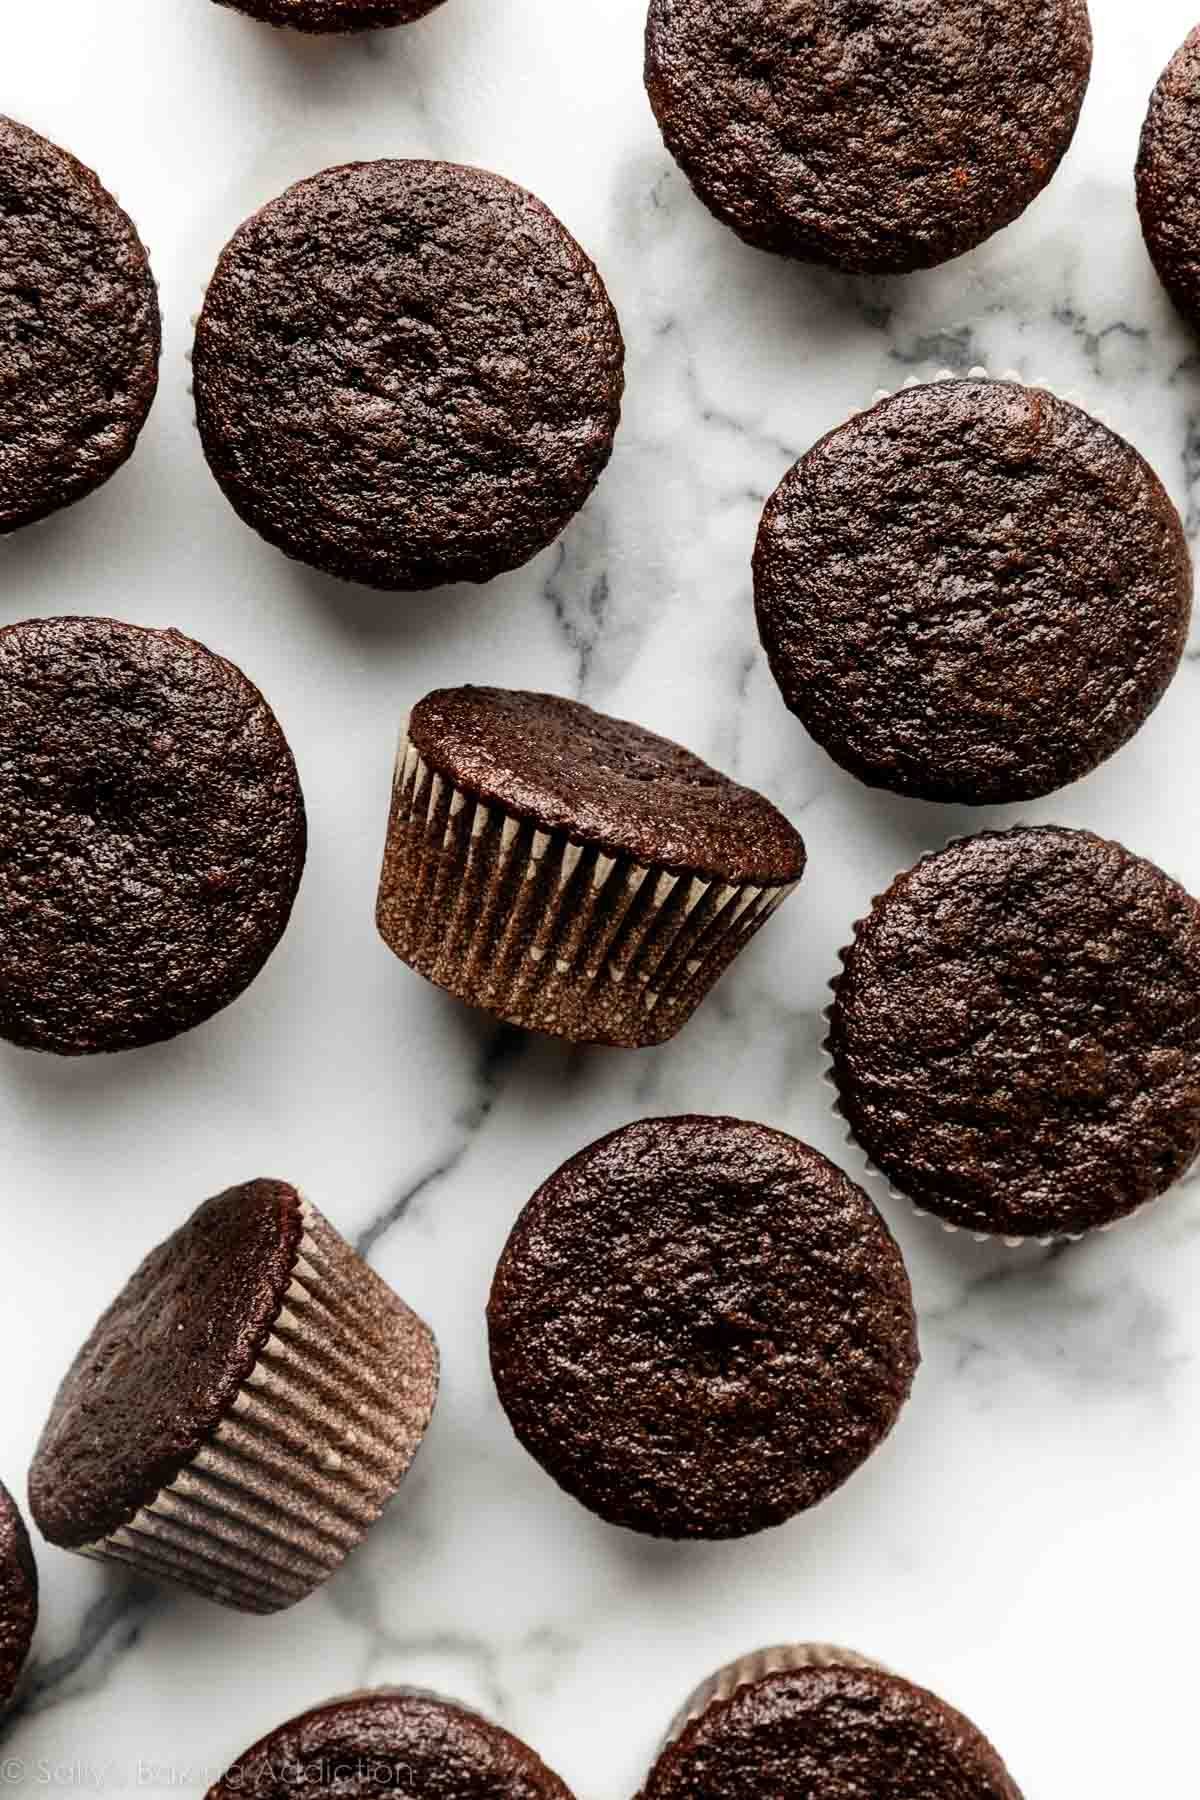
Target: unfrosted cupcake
pixel 700 1327
pixel 1168 178
pixel 570 872
pixel 325 16
pixel 876 137
pixel 972 592
pixel 810 1719
pixel 243 1410
pixel 152 834
pixel 390 1741
pixel 1016 1033
pixel 18 1595
pixel 407 373
pixel 82 333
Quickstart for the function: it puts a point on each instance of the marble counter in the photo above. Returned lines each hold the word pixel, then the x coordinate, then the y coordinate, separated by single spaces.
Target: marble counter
pixel 1024 1543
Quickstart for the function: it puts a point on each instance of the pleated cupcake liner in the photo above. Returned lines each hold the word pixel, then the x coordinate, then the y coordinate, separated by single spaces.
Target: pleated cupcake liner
pixel 744 1671
pixel 550 934
pixel 829 1077
pixel 315 1444
pixel 978 372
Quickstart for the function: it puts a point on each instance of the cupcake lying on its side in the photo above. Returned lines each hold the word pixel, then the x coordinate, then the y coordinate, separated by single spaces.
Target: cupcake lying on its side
pixel 570 872
pixel 18 1596
pixel 242 1412
pixel 814 1720
pixel 700 1327
pixel 384 1741
pixel 1016 1033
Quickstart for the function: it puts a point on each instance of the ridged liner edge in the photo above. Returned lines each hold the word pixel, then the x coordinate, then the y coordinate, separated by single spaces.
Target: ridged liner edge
pixel 256 1520
pixel 546 932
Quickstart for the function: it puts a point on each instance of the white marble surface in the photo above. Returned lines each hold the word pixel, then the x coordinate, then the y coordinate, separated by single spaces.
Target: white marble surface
pixel 1025 1543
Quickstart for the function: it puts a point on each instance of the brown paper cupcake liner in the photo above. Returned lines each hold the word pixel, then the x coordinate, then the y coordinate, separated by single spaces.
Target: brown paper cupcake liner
pixel 746 1670
pixel 829 1077
pixel 549 934
pixel 316 1443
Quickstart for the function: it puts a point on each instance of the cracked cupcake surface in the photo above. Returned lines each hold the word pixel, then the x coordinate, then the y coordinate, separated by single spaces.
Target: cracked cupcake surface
pixel 875 138
pixel 700 1327
pixel 407 373
pixel 972 592
pixel 18 1595
pixel 1016 1033
pixel 570 872
pixel 244 1409
pixel 813 1719
pixel 81 334
pixel 152 834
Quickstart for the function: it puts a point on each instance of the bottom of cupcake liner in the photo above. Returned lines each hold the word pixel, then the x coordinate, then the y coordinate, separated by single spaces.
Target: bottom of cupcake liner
pixel 744 1671
pixel 317 1441
pixel 549 934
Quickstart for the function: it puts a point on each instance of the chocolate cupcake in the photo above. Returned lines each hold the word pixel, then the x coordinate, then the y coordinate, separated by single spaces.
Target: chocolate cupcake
pixel 407 373
pixel 973 592
pixel 1016 1033
pixel 700 1327
pixel 1168 178
pixel 570 872
pixel 390 1740
pixel 812 1719
pixel 333 15
pixel 242 1412
pixel 18 1596
pixel 152 834
pixel 82 336
pixel 874 139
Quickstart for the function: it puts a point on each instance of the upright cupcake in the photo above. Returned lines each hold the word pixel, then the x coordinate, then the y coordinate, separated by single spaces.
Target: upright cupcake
pixel 700 1327
pixel 390 1741
pixel 1016 1033
pixel 243 1410
pixel 809 1719
pixel 152 834
pixel 874 138
pixel 18 1596
pixel 407 373
pixel 82 334
pixel 573 873
pixel 973 592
